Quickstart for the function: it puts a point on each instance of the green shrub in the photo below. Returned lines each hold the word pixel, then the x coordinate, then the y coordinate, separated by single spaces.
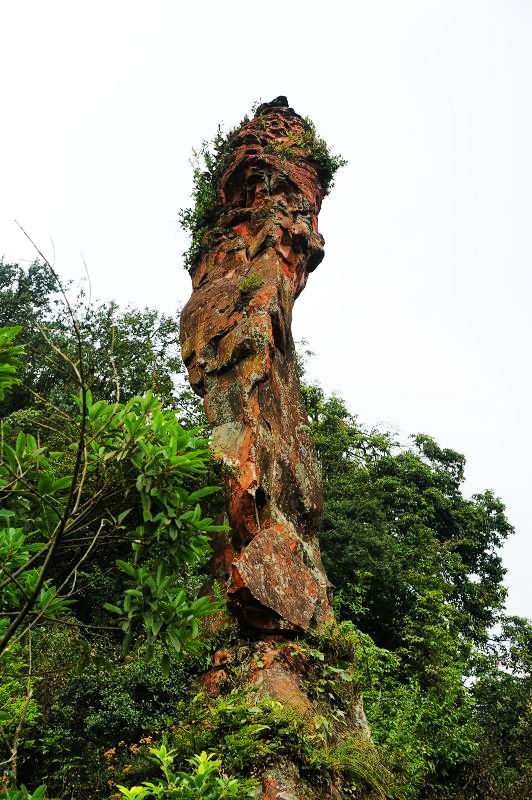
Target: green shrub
pixel 206 781
pixel 250 734
pixel 16 700
pixel 249 284
pixel 310 146
pixel 199 220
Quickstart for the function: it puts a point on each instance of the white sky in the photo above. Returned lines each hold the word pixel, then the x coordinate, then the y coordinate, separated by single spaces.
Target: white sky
pixel 419 315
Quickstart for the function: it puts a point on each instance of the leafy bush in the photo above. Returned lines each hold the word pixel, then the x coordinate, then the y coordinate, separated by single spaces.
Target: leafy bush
pixel 199 219
pixel 207 781
pixel 312 147
pixel 9 359
pixel 118 461
pixel 133 452
pixel 123 701
pixel 250 733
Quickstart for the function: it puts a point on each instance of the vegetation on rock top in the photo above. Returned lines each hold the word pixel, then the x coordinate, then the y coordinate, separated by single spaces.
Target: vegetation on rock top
pixel 211 159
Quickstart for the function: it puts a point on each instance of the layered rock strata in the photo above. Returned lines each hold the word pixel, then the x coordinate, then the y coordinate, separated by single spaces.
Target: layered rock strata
pixel 237 345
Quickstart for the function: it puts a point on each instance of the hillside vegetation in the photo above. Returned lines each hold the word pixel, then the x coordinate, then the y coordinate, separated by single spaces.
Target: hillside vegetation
pixel 108 496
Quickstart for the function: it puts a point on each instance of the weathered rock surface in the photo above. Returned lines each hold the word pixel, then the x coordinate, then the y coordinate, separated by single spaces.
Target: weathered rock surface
pixel 238 348
pixel 281 670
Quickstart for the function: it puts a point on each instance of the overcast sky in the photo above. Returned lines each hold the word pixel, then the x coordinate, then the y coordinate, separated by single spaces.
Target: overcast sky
pixel 420 313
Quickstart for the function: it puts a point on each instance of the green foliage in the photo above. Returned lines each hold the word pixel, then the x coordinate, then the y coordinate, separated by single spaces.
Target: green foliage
pixel 249 733
pixel 173 532
pixel 422 731
pixel 123 700
pixel 137 458
pixel 33 499
pixel 421 549
pixel 360 766
pixel 23 292
pixel 19 711
pixel 137 454
pixel 129 351
pixel 250 284
pixel 320 153
pixel 199 220
pixel 311 146
pixel 22 793
pixel 502 695
pixel 236 726
pixel 207 781
pixel 422 598
pixel 9 359
pixel 353 653
pixel 419 729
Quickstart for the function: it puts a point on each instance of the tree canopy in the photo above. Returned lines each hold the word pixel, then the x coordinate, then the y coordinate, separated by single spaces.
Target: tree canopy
pixel 417 568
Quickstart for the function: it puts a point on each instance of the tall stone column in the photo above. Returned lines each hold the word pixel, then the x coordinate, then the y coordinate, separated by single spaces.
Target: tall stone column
pixel 255 255
pixel 237 345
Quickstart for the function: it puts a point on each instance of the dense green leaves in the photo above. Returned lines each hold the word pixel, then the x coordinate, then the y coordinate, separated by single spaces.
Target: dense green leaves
pixel 56 511
pixel 199 220
pixel 206 781
pixel 135 455
pixel 125 351
pixel 9 359
pixel 23 794
pixel 417 568
pixel 396 521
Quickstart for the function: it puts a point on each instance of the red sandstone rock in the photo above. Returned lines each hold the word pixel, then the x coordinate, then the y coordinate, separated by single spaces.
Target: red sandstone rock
pixel 221 657
pixel 271 568
pixel 213 680
pixel 238 347
pixel 284 686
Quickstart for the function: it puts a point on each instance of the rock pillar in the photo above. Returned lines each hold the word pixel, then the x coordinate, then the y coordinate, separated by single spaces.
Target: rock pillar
pixel 256 241
pixel 237 345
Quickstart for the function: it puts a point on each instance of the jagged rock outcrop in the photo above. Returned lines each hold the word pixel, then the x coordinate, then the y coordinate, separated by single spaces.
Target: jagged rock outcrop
pixel 251 262
pixel 238 348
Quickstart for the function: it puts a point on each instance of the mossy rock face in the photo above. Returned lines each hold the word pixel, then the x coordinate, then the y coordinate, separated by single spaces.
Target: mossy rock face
pixel 287 714
pixel 250 284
